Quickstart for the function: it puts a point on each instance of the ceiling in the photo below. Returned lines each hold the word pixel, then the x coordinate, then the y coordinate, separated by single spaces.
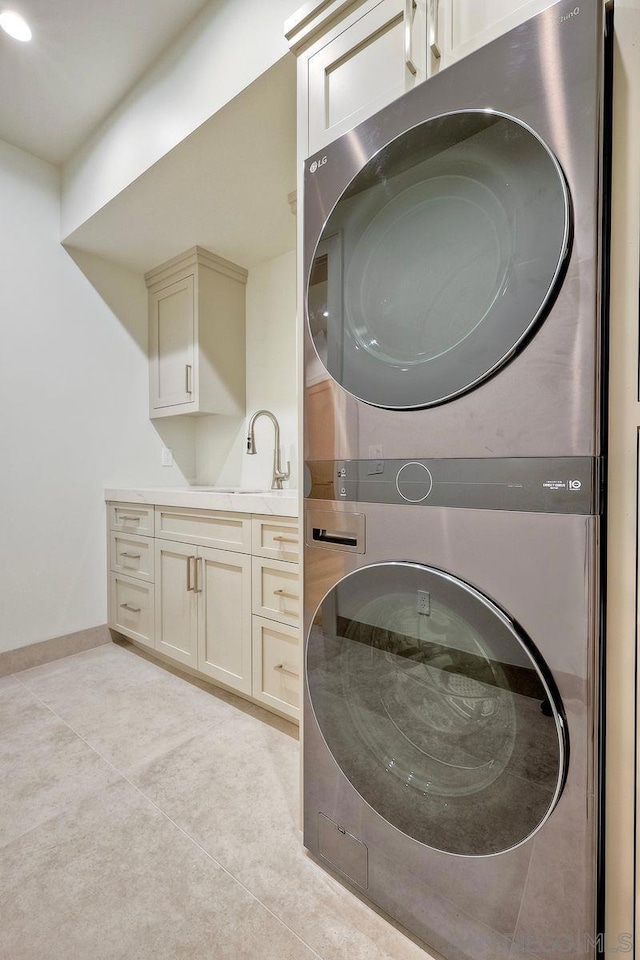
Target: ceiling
pixel 224 187
pixel 84 57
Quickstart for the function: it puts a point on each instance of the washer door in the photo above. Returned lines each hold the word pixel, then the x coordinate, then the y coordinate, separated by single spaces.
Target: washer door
pixel 436 708
pixel 438 260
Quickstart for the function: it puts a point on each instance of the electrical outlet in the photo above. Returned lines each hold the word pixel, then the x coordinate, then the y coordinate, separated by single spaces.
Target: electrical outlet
pixel 166 457
pixel 375 451
pixel 423 603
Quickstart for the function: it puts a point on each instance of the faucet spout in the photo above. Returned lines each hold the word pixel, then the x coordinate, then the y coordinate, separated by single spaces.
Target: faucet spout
pixel 279 475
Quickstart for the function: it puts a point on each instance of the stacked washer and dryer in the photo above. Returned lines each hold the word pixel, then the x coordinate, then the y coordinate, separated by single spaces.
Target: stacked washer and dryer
pixel 453 259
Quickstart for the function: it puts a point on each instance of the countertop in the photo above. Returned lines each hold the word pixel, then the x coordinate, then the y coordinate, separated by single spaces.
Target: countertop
pixel 277 503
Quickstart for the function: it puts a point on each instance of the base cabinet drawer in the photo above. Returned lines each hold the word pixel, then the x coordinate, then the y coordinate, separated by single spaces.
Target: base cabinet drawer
pixel 276 590
pixel 131 608
pixel 276 666
pixel 132 555
pixel 132 518
pixel 222 531
pixel 274 538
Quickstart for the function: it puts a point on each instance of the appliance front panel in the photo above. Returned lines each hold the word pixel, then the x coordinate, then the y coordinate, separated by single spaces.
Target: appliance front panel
pixel 392 337
pixel 435 706
pixel 549 591
pixel 438 260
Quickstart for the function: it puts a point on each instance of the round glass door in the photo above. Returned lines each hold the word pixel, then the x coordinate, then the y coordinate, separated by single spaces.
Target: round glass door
pixel 436 708
pixel 438 260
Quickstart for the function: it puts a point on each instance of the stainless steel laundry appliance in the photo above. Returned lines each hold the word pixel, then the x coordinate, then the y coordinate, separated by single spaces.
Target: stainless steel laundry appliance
pixel 451 697
pixel 452 258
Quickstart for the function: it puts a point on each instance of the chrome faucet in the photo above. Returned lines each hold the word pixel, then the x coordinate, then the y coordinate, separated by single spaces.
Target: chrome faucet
pixel 278 474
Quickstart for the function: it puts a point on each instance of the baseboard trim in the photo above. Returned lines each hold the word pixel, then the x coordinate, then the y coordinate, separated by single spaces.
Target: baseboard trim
pixel 35 654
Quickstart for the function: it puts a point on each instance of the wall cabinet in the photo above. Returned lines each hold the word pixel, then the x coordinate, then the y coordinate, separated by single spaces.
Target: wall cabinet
pixel 217 592
pixel 356 57
pixel 196 335
pixel 463 26
pixel 359 69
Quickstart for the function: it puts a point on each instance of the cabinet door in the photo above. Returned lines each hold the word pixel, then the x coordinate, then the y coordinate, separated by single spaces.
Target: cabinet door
pixel 369 64
pixel 176 601
pixel 172 344
pixel 224 617
pixel 465 25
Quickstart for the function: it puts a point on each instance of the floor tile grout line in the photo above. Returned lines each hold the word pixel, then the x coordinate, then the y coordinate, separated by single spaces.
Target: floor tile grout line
pixel 181 830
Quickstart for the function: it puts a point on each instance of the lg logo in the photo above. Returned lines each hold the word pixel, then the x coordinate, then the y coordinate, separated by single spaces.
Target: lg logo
pixel 568 16
pixel 317 163
pixel 575 484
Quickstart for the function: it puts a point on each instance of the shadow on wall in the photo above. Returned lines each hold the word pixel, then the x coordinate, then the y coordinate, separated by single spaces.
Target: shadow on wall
pixel 125 294
pixel 220 443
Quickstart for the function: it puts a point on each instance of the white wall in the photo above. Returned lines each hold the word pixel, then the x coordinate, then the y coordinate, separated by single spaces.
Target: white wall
pixel 224 49
pixel 73 395
pixel 271 383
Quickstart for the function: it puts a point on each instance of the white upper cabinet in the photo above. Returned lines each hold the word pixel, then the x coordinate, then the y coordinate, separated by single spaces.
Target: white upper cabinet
pixel 349 69
pixel 197 335
pixel 356 57
pixel 462 26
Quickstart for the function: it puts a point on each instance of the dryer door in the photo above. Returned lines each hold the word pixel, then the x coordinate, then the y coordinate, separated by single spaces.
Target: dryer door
pixel 438 260
pixel 436 708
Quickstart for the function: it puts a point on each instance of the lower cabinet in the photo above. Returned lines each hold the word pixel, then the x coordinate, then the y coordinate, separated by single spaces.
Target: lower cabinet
pixel 224 617
pixel 177 601
pixel 224 613
pixel 203 610
pixel 276 666
pixel 131 608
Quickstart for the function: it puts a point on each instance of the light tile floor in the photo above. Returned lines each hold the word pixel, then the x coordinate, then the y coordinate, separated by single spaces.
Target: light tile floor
pixel 145 815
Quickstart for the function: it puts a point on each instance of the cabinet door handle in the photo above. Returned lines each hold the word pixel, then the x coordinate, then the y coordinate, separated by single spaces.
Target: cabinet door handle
pixel 409 7
pixel 129 518
pixel 132 556
pixel 126 606
pixel 434 46
pixel 189 584
pixel 283 669
pixel 283 593
pixel 286 539
pixel 198 575
pixel 187 376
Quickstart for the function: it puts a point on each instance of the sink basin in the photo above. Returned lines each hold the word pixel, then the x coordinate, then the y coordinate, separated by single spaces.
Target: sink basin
pixel 203 489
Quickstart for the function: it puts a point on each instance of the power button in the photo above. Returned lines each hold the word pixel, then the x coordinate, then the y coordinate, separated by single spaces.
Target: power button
pixel 414 482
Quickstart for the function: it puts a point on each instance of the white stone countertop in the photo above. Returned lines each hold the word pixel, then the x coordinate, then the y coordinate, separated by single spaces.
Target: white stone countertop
pixel 276 503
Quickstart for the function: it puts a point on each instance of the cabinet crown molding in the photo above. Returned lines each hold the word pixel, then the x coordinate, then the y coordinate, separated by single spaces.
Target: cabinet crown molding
pixel 195 256
pixel 314 18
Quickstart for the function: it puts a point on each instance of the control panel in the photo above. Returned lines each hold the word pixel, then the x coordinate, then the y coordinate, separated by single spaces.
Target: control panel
pixel 568 485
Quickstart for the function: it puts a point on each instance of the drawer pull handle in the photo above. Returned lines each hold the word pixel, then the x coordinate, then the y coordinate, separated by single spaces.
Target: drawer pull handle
pixel 282 669
pixel 283 593
pixel 127 606
pixel 286 539
pixel 132 556
pixel 129 518
pixel 434 44
pixel 409 7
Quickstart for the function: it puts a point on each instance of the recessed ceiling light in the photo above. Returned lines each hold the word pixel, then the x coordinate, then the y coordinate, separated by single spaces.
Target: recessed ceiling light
pixel 15 25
